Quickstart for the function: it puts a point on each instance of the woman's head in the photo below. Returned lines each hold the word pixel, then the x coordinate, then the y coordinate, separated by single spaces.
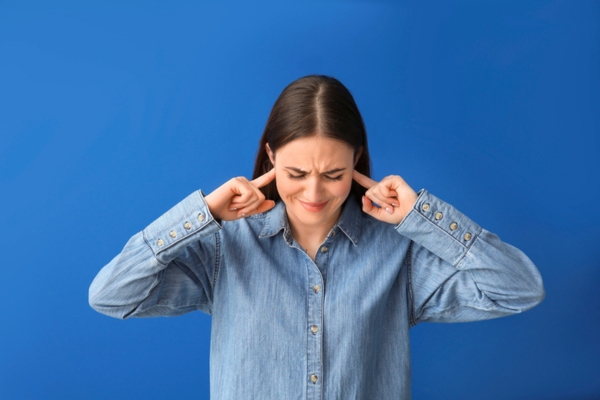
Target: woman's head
pixel 314 106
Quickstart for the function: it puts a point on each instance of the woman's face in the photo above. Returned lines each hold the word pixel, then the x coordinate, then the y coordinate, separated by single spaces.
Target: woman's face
pixel 313 177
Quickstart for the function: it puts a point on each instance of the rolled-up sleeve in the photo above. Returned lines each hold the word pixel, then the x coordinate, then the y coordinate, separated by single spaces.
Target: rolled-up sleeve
pixel 459 271
pixel 167 269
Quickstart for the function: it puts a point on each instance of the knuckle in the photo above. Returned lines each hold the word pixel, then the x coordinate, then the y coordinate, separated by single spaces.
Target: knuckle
pixel 239 181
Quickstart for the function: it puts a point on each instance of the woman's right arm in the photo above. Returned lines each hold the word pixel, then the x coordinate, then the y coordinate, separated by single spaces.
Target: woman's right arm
pixel 171 266
pixel 166 269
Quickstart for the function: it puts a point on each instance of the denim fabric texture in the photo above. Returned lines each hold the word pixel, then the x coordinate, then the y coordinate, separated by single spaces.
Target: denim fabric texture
pixel 285 327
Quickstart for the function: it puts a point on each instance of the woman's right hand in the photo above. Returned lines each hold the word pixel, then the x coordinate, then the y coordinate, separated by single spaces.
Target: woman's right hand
pixel 239 198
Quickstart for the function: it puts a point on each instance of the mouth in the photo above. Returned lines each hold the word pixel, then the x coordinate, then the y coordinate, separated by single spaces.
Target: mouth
pixel 313 207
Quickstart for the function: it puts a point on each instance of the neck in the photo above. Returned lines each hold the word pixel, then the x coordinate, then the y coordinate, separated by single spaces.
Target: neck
pixel 311 236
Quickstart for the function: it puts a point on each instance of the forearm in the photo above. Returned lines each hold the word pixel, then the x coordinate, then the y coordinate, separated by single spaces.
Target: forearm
pixel 166 253
pixel 463 265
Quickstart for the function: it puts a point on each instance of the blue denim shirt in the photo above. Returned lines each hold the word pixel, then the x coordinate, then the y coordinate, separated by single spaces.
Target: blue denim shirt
pixel 285 327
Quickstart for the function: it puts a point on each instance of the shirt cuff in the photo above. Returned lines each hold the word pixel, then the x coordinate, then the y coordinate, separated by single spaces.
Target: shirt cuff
pixel 187 218
pixel 439 227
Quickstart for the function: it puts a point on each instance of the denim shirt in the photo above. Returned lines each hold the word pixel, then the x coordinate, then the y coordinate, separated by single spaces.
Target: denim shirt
pixel 285 327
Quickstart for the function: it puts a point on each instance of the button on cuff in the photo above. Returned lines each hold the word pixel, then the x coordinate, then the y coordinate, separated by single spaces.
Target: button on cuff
pixel 185 219
pixel 437 235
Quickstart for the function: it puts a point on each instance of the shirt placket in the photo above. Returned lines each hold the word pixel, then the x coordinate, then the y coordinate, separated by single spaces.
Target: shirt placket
pixel 316 318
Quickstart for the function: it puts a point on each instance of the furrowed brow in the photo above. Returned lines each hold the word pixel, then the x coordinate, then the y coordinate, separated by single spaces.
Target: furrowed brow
pixel 296 170
pixel 331 171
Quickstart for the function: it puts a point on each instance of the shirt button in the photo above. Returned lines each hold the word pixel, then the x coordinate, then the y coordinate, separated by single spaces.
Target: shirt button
pixel 314 329
pixel 200 217
pixel 468 236
pixel 439 215
pixel 187 226
pixel 316 288
pixel 454 226
pixel 173 234
pixel 160 242
pixel 314 378
pixel 324 249
pixel 426 207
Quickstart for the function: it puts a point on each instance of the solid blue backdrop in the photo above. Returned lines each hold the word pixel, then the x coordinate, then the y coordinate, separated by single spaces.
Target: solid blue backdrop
pixel 111 113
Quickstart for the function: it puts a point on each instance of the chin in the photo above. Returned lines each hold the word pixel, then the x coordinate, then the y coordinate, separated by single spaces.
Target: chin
pixel 315 213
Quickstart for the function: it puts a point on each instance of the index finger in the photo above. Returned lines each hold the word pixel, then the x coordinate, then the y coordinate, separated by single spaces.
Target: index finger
pixel 363 180
pixel 264 179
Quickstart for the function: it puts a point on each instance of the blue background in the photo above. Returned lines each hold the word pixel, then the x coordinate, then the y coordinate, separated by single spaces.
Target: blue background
pixel 111 113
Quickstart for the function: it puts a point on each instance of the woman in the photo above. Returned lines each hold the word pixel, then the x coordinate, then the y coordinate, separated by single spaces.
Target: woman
pixel 313 273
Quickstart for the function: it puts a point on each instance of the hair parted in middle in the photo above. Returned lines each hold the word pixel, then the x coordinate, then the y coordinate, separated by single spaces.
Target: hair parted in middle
pixel 310 106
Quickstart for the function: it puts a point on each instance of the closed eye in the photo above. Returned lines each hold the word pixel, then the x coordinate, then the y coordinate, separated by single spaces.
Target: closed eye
pixel 334 178
pixel 296 177
pixel 298 174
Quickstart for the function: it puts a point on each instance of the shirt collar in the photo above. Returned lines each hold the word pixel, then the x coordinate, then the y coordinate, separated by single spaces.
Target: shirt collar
pixel 350 221
pixel 275 221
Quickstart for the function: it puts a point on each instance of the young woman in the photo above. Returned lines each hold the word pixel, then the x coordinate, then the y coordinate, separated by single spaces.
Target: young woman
pixel 313 273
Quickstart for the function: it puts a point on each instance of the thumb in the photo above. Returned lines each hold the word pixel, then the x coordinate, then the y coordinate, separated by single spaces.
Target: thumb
pixel 368 206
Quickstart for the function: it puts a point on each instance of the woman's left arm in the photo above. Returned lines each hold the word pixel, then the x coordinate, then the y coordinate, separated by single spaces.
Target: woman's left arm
pixel 457 270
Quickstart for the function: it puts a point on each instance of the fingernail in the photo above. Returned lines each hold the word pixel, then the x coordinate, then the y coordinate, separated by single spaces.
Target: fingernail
pixel 233 209
pixel 363 199
pixel 243 215
pixel 394 205
pixel 389 210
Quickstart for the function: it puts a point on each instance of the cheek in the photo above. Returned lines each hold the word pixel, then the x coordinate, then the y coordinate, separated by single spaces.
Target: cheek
pixel 341 189
pixel 285 186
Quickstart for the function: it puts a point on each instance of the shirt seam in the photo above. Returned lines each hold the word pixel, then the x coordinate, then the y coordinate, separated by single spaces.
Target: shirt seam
pixel 408 264
pixel 217 263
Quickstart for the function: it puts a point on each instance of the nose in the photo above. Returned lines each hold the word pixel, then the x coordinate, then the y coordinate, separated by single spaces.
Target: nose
pixel 313 190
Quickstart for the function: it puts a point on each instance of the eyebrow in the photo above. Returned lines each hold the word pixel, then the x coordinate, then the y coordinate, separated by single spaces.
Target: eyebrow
pixel 331 171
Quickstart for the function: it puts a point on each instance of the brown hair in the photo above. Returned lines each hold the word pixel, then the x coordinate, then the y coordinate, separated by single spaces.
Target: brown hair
pixel 310 106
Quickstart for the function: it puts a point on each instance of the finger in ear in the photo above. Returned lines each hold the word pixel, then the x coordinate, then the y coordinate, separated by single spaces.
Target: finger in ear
pixel 270 153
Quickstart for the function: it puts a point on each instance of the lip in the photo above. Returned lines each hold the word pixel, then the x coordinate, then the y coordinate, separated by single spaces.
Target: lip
pixel 313 207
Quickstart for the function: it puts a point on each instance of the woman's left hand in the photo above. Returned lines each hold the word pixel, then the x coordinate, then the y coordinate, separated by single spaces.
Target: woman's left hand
pixel 393 195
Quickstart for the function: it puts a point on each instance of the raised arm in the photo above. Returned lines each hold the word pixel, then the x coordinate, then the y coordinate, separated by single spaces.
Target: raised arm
pixel 457 270
pixel 166 269
pixel 171 266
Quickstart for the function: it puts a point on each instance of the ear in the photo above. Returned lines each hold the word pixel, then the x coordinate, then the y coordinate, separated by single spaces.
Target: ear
pixel 270 153
pixel 357 156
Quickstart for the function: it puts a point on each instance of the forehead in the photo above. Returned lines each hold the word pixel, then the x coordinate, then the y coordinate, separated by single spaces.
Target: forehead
pixel 315 151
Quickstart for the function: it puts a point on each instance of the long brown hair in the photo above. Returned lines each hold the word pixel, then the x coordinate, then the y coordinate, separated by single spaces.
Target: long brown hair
pixel 314 104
